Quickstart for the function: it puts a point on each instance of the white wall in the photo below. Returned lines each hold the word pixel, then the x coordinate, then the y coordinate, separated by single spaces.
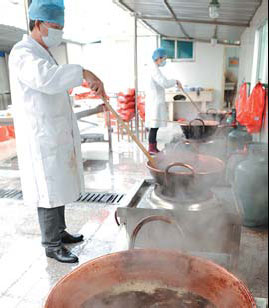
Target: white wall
pixel 74 53
pixel 113 61
pixel 232 52
pixel 248 56
pixel 207 71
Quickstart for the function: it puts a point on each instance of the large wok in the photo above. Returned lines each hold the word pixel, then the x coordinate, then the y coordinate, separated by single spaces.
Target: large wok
pixel 170 269
pixel 199 129
pixel 214 115
pixel 191 180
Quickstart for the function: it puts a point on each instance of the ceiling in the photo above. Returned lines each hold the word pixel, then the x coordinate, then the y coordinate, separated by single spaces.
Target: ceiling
pixel 190 18
pixel 8 36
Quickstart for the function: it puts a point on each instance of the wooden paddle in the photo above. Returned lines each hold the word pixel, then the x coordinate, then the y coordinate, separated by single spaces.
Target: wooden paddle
pixel 130 133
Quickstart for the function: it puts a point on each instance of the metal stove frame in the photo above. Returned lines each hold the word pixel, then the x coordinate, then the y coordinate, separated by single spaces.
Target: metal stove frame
pixel 142 216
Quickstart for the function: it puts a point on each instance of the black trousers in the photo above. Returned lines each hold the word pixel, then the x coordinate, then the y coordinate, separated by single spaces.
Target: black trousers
pixel 153 135
pixel 52 225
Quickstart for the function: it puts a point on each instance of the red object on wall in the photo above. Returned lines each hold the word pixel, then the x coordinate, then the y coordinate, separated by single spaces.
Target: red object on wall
pixel 241 104
pixel 256 109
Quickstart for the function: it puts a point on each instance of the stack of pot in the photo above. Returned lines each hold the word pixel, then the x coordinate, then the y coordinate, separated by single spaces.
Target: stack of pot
pixel 251 185
pixel 126 105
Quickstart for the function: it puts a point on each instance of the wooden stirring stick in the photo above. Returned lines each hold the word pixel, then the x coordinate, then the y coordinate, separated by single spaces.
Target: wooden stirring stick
pixel 191 100
pixel 130 133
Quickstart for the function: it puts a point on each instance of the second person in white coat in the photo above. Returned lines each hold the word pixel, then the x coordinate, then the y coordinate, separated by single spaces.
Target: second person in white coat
pixel 156 107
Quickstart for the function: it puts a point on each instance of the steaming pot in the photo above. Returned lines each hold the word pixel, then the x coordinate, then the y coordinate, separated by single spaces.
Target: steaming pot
pixel 192 181
pixel 170 269
pixel 214 115
pixel 199 129
pixel 251 185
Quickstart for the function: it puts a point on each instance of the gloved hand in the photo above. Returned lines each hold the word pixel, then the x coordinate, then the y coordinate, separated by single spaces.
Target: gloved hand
pixel 179 84
pixel 95 84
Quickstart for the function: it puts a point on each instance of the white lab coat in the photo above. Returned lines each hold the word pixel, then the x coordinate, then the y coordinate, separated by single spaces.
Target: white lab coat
pixel 156 107
pixel 47 134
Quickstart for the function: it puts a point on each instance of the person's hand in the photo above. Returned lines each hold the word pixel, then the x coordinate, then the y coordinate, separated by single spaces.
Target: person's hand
pixel 95 83
pixel 179 84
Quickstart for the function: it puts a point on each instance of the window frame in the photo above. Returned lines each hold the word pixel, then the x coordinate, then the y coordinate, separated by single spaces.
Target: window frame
pixel 176 59
pixel 260 34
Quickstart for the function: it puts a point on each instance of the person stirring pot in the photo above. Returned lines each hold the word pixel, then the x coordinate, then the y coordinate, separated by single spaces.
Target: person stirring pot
pixel 47 134
pixel 156 107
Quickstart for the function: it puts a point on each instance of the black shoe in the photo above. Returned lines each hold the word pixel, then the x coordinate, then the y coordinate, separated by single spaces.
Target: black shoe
pixel 71 239
pixel 62 255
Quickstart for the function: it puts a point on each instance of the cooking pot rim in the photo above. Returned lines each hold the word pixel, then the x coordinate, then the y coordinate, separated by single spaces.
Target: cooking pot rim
pixel 164 253
pixel 188 173
pixel 219 112
pixel 208 123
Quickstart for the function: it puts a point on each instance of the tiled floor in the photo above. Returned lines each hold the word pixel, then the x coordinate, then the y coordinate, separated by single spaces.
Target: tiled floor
pixel 26 275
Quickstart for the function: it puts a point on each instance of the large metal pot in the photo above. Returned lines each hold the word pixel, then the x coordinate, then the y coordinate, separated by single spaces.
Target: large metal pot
pixel 170 269
pixel 214 115
pixel 192 181
pixel 199 129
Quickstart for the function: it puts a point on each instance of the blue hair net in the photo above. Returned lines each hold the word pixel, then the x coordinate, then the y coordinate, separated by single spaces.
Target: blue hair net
pixel 159 53
pixel 48 11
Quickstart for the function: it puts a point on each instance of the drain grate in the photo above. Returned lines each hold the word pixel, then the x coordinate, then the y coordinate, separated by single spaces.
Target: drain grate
pixel 101 198
pixel 105 198
pixel 10 194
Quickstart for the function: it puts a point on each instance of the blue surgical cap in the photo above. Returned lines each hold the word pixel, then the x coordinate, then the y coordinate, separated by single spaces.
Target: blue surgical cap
pixel 159 53
pixel 48 11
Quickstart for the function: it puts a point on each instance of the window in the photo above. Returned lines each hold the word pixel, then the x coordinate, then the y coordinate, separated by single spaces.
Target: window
pixel 179 50
pixel 262 66
pixel 184 50
pixel 169 46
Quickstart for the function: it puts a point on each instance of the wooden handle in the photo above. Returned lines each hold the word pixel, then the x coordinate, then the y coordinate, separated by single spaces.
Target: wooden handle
pixel 130 133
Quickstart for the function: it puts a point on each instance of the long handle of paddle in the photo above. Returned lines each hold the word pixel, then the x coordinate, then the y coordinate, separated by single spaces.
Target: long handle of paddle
pixel 130 133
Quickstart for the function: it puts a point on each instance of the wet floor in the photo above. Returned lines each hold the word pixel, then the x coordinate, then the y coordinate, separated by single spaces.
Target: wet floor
pixel 27 275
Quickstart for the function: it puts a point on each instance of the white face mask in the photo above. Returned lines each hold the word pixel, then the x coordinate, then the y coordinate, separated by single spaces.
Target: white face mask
pixel 163 64
pixel 54 38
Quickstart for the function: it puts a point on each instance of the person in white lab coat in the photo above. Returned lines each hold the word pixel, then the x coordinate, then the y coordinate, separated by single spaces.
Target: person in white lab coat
pixel 156 107
pixel 48 138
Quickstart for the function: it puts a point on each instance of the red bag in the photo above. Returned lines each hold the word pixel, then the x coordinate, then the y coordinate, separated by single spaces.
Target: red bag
pixel 4 134
pixel 11 132
pixel 241 104
pixel 131 92
pixel 129 106
pixel 256 108
pixel 126 99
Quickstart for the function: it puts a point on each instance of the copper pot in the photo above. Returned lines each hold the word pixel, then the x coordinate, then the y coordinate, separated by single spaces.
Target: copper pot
pixel 199 129
pixel 193 180
pixel 171 269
